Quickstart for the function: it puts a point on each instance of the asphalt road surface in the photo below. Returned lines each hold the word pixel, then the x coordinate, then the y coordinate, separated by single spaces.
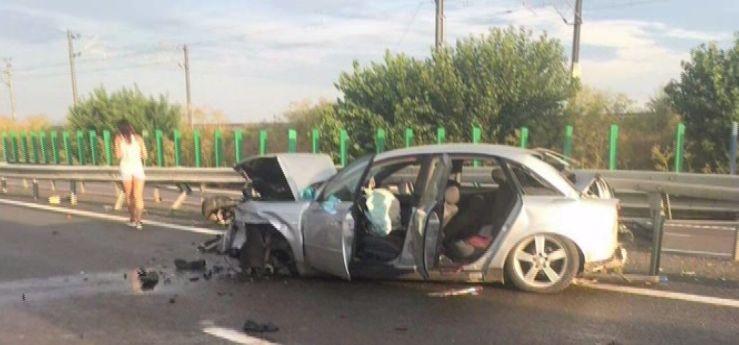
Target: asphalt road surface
pixel 72 280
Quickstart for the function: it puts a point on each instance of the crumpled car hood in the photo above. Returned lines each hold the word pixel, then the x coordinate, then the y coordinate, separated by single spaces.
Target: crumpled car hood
pixel 296 172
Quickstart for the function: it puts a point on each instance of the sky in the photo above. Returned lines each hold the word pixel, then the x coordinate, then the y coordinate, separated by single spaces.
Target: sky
pixel 252 59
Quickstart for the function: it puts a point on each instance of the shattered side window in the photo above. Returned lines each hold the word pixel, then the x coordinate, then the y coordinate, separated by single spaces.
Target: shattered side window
pixel 344 185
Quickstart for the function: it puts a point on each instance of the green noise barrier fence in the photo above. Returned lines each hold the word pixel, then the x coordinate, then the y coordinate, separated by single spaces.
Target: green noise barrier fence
pixel 88 148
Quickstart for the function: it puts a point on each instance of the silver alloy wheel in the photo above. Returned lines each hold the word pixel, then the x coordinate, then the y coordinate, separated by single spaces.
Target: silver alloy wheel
pixel 540 261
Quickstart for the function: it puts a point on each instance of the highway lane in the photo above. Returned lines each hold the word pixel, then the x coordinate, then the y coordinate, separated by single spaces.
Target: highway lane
pixel 62 281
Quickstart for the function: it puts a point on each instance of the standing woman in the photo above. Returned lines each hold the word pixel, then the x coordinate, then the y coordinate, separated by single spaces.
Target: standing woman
pixel 131 151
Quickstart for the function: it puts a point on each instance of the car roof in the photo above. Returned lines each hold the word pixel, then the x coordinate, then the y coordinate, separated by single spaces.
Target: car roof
pixel 523 156
pixel 510 152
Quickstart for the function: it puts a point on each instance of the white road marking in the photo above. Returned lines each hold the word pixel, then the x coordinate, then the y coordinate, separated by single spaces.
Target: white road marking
pixel 235 336
pixel 726 302
pixel 110 217
pixel 699 252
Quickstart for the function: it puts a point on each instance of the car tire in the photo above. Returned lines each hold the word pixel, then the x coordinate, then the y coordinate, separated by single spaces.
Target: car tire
pixel 543 263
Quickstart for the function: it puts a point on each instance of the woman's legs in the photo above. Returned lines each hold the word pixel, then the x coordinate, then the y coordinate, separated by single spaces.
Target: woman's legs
pixel 138 198
pixel 128 191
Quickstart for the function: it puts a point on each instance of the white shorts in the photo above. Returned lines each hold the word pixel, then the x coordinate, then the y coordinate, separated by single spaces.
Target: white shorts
pixel 135 172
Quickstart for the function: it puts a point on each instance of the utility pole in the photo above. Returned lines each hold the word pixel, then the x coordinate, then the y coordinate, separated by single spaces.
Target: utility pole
pixel 575 68
pixel 439 24
pixel 186 66
pixel 72 55
pixel 9 82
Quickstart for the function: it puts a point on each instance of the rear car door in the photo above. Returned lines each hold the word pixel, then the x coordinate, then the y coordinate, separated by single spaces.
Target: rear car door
pixel 425 224
pixel 328 223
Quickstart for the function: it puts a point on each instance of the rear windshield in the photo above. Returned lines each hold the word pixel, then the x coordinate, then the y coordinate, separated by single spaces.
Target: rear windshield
pixel 268 179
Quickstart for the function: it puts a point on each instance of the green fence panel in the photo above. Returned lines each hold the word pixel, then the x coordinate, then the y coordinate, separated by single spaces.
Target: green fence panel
pixel 107 147
pixel 408 137
pixel 343 147
pixel 315 137
pixel 80 147
pixel 43 147
pixel 613 148
pixel 217 148
pixel 476 139
pixel 238 141
pixel 34 147
pixel 567 147
pixel 92 135
pixel 292 140
pixel 5 147
pixel 524 139
pixel 67 145
pixel 159 138
pixel 679 143
pixel 14 146
pixel 177 138
pixel 196 148
pixel 24 147
pixel 380 140
pixel 53 140
pixel 262 142
pixel 440 135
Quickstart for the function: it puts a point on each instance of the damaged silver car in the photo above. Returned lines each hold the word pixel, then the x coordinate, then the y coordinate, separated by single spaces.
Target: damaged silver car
pixel 454 212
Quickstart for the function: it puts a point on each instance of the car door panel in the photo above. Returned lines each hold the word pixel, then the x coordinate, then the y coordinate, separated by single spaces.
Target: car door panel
pixel 328 237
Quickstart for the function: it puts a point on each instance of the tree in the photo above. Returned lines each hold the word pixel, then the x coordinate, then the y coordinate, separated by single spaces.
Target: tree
pixel 102 111
pixel 500 81
pixel 707 97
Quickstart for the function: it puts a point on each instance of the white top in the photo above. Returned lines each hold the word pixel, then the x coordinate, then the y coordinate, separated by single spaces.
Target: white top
pixel 130 154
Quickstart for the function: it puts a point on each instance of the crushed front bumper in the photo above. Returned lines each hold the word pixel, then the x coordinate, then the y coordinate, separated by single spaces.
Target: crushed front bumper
pixel 613 264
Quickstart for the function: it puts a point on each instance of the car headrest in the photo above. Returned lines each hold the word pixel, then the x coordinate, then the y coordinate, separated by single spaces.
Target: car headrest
pixel 498 176
pixel 452 195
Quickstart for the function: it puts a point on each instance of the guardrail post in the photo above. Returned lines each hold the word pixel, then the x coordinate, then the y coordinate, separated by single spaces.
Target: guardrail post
pixel 380 140
pixel 35 189
pixel 93 137
pixel 732 147
pixel 107 147
pixel 67 145
pixel 679 143
pixel 343 147
pixel 613 148
pixel 524 139
pixel 5 147
pixel 34 147
pixel 42 146
pixel 80 147
pixel 736 241
pixel 262 142
pixel 160 147
pixel 440 135
pixel 196 149
pixel 315 136
pixel 177 138
pixel 656 204
pixel 217 148
pixel 53 138
pixel 238 140
pixel 24 147
pixel 408 137
pixel 292 140
pixel 567 148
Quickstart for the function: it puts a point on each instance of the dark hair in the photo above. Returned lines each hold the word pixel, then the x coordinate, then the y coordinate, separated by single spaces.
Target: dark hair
pixel 126 130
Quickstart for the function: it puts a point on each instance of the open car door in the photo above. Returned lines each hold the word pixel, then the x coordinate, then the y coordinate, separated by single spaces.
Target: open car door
pixel 425 224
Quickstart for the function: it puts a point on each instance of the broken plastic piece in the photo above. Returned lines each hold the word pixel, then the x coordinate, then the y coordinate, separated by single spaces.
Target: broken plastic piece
pixel 148 279
pixel 195 265
pixel 253 326
pixel 474 291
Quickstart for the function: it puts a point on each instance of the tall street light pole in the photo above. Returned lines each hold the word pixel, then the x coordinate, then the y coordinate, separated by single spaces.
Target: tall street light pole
pixel 575 68
pixel 439 39
pixel 72 55
pixel 9 82
pixel 186 66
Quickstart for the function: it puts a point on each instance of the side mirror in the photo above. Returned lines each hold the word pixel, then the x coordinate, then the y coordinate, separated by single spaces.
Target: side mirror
pixel 308 194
